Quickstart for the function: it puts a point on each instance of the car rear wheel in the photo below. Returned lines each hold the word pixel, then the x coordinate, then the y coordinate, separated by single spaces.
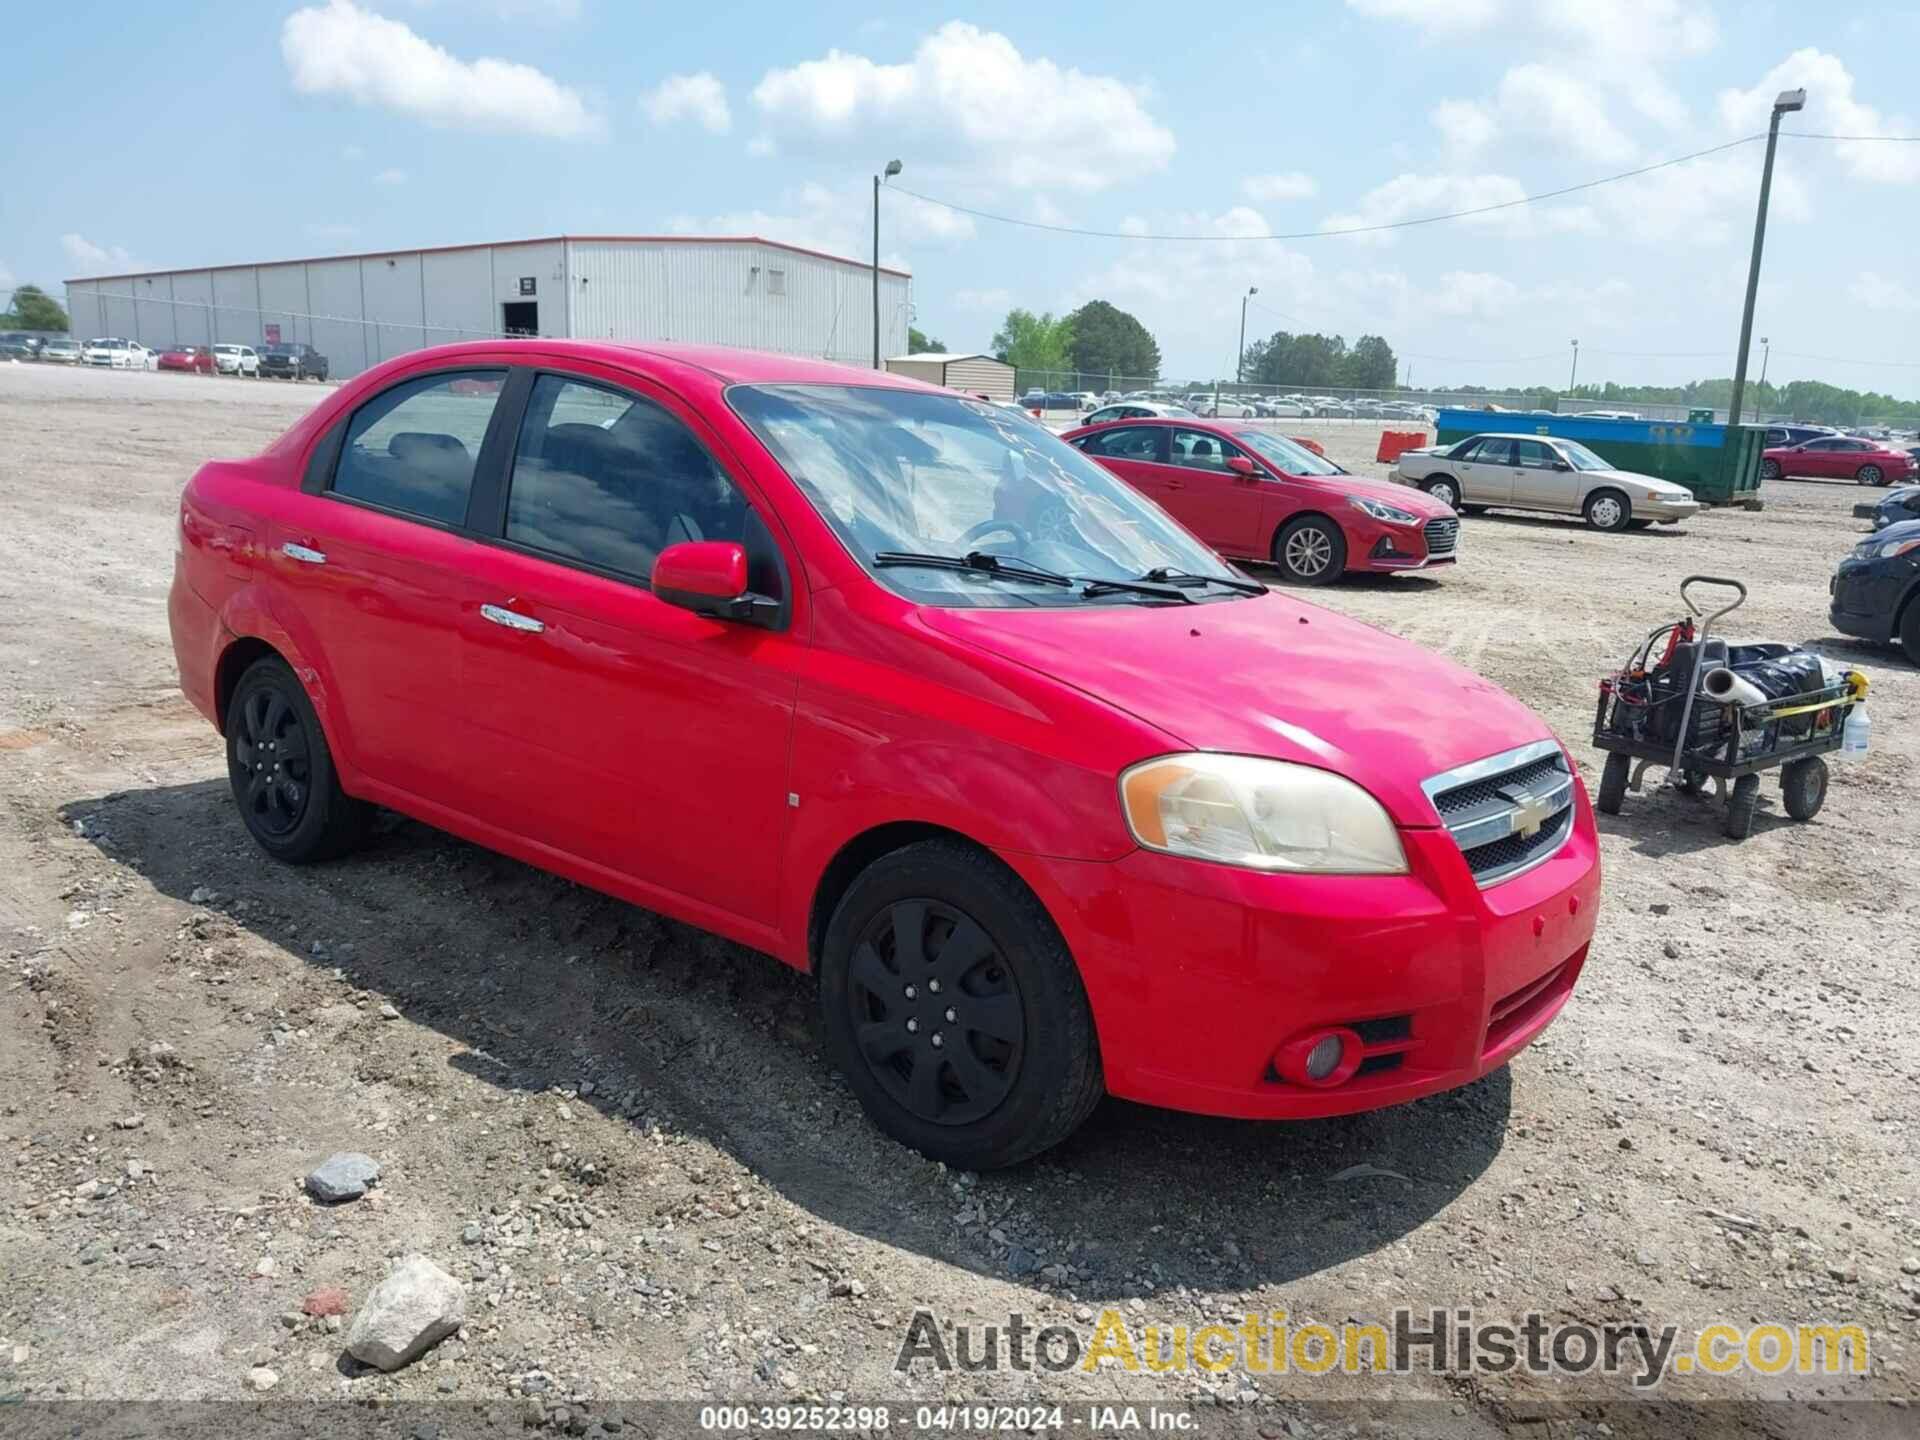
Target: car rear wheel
pixel 953 1008
pixel 1769 469
pixel 1311 551
pixel 282 772
pixel 1608 510
pixel 1870 475
pixel 1447 492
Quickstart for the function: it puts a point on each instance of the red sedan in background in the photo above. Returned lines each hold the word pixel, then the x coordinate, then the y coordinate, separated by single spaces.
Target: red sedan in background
pixel 1253 495
pixel 1838 457
pixel 191 358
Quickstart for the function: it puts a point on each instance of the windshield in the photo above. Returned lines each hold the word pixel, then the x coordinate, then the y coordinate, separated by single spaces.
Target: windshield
pixel 907 471
pixel 1287 455
pixel 1581 457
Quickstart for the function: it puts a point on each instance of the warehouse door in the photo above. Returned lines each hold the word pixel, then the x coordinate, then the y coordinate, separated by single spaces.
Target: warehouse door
pixel 520 317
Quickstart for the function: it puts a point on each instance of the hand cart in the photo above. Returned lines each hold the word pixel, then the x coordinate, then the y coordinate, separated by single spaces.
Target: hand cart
pixel 1726 742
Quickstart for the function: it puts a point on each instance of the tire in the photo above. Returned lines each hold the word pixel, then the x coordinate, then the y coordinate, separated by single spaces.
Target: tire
pixel 1026 1080
pixel 1870 475
pixel 1608 510
pixel 1910 631
pixel 1639 524
pixel 1311 551
pixel 304 816
pixel 1613 784
pixel 1691 782
pixel 1803 787
pixel 1769 469
pixel 1445 490
pixel 1473 509
pixel 1740 806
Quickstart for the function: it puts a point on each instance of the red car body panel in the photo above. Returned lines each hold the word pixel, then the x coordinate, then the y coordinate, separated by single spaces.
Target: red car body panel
pixel 1239 515
pixel 1810 459
pixel 714 771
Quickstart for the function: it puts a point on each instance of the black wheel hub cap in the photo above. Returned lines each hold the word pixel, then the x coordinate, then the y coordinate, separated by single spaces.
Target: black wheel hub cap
pixel 272 763
pixel 937 1015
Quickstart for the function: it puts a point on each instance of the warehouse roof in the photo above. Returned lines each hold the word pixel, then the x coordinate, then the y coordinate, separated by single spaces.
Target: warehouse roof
pixel 504 245
pixel 943 356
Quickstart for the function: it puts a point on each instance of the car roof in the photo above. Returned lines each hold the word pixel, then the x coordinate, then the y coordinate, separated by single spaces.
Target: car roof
pixel 723 362
pixel 1510 435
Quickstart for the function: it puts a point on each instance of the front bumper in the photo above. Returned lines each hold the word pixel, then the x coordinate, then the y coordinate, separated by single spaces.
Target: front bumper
pixel 1865 594
pixel 1375 546
pixel 1666 512
pixel 1197 972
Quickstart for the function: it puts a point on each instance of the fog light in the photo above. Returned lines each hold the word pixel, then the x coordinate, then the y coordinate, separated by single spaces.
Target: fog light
pixel 1324 1058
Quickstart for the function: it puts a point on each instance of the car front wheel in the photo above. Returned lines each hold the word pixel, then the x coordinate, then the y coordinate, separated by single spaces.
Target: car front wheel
pixel 1608 510
pixel 1311 551
pixel 953 1008
pixel 1870 475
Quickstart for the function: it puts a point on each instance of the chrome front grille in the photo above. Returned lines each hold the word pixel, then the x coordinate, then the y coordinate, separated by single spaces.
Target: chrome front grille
pixel 1508 812
pixel 1442 536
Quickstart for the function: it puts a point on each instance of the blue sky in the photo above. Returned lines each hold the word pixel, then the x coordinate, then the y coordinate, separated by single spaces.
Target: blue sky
pixel 192 134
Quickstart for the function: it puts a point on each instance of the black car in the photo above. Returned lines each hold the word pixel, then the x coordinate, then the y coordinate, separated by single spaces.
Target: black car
pixel 1901 504
pixel 19 347
pixel 293 362
pixel 1876 590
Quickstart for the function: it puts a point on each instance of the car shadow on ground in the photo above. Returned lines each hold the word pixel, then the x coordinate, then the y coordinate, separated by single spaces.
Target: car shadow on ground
pixel 1533 520
pixel 1860 652
pixel 541 983
pixel 1363 581
pixel 1657 822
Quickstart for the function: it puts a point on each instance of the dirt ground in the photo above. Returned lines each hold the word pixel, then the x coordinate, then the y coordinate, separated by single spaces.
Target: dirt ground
pixel 623 1136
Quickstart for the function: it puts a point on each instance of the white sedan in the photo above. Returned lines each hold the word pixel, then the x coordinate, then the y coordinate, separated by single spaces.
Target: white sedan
pixel 236 360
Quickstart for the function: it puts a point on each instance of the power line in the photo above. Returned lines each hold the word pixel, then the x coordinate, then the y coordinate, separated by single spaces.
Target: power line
pixel 1853 139
pixel 1849 359
pixel 1344 229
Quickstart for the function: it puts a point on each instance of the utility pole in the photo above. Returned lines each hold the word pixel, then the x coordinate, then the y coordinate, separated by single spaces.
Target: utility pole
pixel 893 169
pixel 1787 102
pixel 1240 364
pixel 1573 374
pixel 1766 353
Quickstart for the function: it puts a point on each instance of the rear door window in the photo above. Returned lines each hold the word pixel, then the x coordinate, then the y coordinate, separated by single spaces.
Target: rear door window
pixel 1493 452
pixel 413 448
pixel 1533 455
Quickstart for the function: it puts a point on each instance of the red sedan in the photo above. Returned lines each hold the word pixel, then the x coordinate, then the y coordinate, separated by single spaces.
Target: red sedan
pixel 1253 495
pixel 894 686
pixel 191 358
pixel 1839 457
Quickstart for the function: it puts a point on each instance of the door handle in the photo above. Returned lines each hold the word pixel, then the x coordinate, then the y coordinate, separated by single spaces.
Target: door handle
pixel 512 619
pixel 304 554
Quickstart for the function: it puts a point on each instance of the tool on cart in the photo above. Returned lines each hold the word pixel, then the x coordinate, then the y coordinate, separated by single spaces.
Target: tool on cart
pixel 1708 710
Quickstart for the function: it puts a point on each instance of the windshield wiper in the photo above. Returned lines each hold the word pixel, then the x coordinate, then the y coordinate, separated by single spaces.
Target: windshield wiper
pixel 976 562
pixel 1098 585
pixel 1162 575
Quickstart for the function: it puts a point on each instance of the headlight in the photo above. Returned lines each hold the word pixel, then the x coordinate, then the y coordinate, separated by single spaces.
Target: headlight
pixel 1263 814
pixel 1891 548
pixel 1380 510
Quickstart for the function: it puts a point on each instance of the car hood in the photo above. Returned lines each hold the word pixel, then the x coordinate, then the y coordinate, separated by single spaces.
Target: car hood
pixel 1271 676
pixel 1664 488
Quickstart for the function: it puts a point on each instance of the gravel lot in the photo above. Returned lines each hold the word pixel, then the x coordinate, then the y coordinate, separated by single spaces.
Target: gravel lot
pixel 622 1135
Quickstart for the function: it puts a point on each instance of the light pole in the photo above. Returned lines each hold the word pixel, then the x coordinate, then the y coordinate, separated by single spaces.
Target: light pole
pixel 893 169
pixel 1240 362
pixel 1766 353
pixel 1787 102
pixel 1575 371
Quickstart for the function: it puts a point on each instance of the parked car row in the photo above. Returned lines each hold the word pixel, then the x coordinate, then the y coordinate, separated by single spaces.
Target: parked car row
pixel 288 361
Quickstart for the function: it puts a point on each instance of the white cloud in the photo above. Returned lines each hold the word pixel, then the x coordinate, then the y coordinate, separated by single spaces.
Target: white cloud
pixel 993 300
pixel 1644 29
pixel 340 49
pixel 1411 197
pixel 1287 185
pixel 700 98
pixel 392 175
pixel 1831 109
pixel 547 10
pixel 1544 103
pixel 1440 16
pixel 1705 203
pixel 969 104
pixel 1473 292
pixel 837 220
pixel 91 259
pixel 1874 291
pixel 1465 125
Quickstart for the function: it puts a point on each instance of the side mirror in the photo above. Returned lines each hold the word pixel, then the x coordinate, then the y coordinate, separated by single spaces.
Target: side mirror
pixel 1562 465
pixel 709 577
pixel 1241 465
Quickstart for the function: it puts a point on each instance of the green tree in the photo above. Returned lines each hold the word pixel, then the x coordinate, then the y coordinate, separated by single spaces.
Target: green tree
pixel 920 343
pixel 1109 341
pixel 1371 364
pixel 1034 342
pixel 33 309
pixel 1284 359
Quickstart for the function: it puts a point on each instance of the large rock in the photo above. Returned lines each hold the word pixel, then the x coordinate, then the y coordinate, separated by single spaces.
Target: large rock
pixel 416 1307
pixel 344 1176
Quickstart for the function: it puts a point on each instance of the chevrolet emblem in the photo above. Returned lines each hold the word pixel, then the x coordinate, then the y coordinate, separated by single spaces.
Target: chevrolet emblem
pixel 1530 812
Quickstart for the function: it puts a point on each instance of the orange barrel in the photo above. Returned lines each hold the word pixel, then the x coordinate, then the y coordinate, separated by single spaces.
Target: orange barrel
pixel 1314 445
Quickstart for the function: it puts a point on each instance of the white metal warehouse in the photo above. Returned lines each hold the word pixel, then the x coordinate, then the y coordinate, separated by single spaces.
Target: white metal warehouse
pixel 358 310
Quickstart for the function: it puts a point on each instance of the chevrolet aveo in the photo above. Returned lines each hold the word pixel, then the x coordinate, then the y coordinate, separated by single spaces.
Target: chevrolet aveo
pixel 898 687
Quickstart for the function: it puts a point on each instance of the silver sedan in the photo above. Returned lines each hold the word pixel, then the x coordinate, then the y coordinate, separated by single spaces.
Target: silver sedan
pixel 1539 472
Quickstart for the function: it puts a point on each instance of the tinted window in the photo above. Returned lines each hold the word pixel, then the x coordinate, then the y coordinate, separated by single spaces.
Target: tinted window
pixel 1533 454
pixel 1200 451
pixel 610 480
pixel 413 448
pixel 1128 442
pixel 1492 452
